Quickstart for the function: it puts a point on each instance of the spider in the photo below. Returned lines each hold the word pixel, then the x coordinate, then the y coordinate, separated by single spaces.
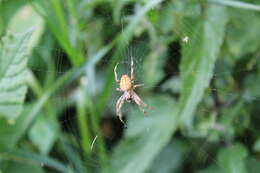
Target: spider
pixel 127 86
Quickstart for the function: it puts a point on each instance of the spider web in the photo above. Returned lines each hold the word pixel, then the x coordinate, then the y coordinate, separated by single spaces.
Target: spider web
pixel 139 55
pixel 64 102
pixel 217 90
pixel 168 84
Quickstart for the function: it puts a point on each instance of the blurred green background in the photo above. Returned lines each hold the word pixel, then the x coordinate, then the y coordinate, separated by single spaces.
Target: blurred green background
pixel 199 61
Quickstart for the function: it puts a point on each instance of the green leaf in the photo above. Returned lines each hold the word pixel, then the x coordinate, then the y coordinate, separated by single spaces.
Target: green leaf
pixel 253 165
pixel 7 10
pixel 26 18
pixel 232 159
pixel 248 42
pixel 146 135
pixel 44 133
pixel 170 158
pixel 13 73
pixel 15 167
pixel 198 58
pixel 35 159
pixel 11 131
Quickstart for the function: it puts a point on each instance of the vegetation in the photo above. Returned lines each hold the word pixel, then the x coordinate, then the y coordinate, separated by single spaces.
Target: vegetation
pixel 199 61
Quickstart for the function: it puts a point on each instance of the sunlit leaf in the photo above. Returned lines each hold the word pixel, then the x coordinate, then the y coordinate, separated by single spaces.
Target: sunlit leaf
pixel 7 10
pixel 24 19
pixel 13 72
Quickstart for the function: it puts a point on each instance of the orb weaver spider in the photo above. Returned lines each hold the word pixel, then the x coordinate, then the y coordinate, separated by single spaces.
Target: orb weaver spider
pixel 127 86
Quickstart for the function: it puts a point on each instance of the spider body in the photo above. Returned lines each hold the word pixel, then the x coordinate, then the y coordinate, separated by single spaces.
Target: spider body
pixel 127 86
pixel 125 83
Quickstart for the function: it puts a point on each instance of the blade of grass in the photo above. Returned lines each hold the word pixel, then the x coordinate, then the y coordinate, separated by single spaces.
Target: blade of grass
pixel 237 4
pixel 76 25
pixel 83 121
pixel 58 11
pixel 73 157
pixel 91 108
pixel 95 124
pixel 55 18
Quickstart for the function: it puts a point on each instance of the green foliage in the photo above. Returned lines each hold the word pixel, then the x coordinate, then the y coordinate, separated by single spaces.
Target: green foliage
pixel 43 133
pixel 142 136
pixel 232 159
pixel 13 73
pixel 7 9
pixel 170 158
pixel 248 42
pixel 14 167
pixel 12 131
pixel 198 60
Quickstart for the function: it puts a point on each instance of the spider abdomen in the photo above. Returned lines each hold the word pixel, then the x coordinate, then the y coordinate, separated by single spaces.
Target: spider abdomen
pixel 125 83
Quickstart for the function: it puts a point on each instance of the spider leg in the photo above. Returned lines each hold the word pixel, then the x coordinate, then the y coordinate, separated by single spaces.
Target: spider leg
pixel 138 85
pixel 139 102
pixel 115 72
pixel 132 69
pixel 119 105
